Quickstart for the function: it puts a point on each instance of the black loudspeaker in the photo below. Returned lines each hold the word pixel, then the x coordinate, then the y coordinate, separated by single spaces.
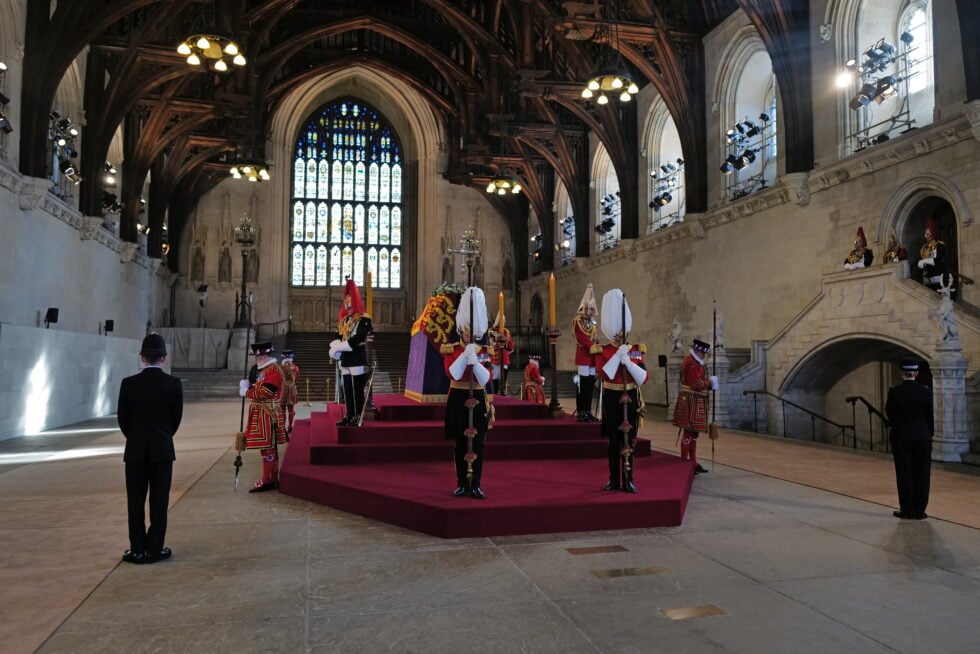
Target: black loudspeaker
pixel 662 360
pixel 109 326
pixel 51 316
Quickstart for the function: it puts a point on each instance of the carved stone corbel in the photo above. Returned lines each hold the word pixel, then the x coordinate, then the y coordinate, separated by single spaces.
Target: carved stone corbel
pixel 89 226
pixel 127 252
pixel 34 189
pixel 799 187
pixel 972 112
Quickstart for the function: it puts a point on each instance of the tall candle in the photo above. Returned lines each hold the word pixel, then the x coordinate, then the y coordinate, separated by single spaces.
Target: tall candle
pixel 551 298
pixel 500 306
pixel 370 296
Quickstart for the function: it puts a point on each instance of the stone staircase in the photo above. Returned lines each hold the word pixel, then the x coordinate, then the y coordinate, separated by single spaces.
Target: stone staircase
pixel 209 384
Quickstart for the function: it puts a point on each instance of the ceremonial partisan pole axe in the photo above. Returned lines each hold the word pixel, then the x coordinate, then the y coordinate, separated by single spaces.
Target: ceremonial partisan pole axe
pixel 625 400
pixel 470 432
pixel 713 427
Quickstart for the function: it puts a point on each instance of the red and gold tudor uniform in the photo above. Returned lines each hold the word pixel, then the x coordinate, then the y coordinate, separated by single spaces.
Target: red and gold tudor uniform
pixel 691 408
pixel 586 347
pixel 289 395
pixel 932 256
pixel 622 381
pixel 503 344
pixel 533 381
pixel 457 417
pixel 265 427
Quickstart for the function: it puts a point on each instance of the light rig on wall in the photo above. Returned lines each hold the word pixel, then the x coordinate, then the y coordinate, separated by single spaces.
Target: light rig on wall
pixel 749 146
pixel 667 200
pixel 610 208
pixel 883 73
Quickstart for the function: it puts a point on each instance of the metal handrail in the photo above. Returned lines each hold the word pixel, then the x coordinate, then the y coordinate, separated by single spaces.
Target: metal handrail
pixel 813 416
pixel 872 411
pixel 273 331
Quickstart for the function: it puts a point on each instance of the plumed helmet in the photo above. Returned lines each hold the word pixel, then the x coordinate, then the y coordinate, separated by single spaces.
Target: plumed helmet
pixel 613 303
pixel 588 301
pixel 153 346
pixel 356 304
pixel 476 324
pixel 860 240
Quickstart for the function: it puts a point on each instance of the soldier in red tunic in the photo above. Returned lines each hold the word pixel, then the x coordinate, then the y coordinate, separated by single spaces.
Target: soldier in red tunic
pixel 691 409
pixel 503 345
pixel 586 334
pixel 534 380
pixel 623 370
pixel 265 428
pixel 468 413
pixel 290 375
pixel 350 349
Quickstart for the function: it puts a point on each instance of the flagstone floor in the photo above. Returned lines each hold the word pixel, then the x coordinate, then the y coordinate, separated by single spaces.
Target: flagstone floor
pixel 785 547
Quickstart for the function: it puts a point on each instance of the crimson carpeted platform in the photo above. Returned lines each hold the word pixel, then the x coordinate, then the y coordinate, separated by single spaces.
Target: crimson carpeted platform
pixel 541 475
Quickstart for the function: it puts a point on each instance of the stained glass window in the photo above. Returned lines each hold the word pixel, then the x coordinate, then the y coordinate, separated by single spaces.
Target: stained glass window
pixel 346 153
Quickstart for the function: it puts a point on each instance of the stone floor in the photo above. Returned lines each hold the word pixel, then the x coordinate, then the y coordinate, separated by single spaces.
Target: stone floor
pixel 785 547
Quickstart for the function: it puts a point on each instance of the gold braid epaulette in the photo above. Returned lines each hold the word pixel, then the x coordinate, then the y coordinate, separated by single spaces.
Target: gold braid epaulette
pixel 641 347
pixel 447 348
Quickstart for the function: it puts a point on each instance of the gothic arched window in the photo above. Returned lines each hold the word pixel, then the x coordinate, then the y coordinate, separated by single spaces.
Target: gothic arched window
pixel 346 206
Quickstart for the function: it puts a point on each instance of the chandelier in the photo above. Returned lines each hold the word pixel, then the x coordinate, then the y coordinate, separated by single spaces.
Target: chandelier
pixel 253 172
pixel 212 50
pixel 611 77
pixel 504 184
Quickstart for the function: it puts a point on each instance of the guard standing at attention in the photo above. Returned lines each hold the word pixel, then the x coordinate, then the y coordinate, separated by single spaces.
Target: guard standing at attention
pixel 290 375
pixel 266 428
pixel 350 348
pixel 586 333
pixel 468 408
pixel 623 370
pixel 909 411
pixel 149 411
pixel 691 409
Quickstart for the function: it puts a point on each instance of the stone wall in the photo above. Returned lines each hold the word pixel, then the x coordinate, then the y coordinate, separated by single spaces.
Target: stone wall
pixel 53 377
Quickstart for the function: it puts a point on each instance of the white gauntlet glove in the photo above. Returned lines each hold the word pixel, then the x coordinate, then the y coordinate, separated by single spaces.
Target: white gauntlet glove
pixel 714 382
pixel 926 262
pixel 243 387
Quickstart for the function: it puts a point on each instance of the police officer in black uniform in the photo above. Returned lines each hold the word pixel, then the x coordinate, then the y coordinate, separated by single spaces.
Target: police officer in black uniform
pixel 909 411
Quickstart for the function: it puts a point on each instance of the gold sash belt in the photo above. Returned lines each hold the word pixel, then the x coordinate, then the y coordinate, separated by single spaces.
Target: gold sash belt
pixel 618 387
pixel 690 390
pixel 465 385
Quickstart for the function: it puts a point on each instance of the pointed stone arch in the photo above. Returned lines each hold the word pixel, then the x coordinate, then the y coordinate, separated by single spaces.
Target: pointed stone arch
pixel 895 214
pixel 883 304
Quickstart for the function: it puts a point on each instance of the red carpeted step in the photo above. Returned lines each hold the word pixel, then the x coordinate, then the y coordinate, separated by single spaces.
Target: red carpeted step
pixel 503 430
pixel 523 497
pixel 398 407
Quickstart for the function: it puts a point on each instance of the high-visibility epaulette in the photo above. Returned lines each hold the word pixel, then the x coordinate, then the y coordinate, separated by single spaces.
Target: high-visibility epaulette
pixel 447 348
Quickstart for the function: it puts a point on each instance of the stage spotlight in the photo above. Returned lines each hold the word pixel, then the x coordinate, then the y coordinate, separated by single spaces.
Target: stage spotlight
pixel 885 89
pixel 5 124
pixel 50 317
pixel 748 156
pixel 906 38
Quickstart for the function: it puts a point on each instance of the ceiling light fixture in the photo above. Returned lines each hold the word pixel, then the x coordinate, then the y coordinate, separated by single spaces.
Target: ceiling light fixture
pixel 611 76
pixel 212 51
pixel 503 184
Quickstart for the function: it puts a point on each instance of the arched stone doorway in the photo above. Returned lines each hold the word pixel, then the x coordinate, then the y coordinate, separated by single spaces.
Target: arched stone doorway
pixel 940 210
pixel 863 366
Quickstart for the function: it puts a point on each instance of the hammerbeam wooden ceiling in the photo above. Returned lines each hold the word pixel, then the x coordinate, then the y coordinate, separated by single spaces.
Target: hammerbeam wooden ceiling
pixel 504 76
